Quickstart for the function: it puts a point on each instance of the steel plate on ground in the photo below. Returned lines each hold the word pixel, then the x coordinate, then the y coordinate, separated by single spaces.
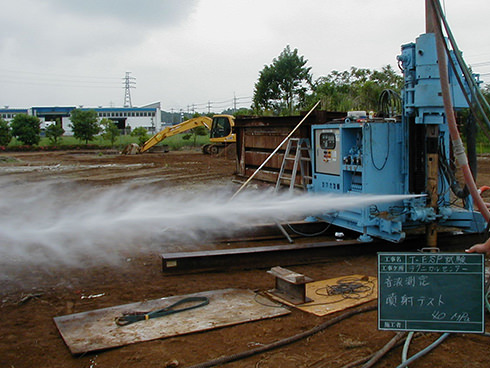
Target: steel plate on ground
pixel 97 330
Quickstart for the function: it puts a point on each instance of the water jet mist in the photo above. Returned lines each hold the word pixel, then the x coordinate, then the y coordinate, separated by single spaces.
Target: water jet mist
pixel 70 225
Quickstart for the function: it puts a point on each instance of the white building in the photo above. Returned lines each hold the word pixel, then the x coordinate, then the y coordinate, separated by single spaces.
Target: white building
pixel 126 118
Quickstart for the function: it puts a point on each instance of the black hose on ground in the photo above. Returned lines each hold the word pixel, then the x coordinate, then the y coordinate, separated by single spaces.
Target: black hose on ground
pixel 382 352
pixel 286 341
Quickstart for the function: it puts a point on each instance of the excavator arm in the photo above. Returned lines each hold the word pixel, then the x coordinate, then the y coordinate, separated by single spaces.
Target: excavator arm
pixel 176 129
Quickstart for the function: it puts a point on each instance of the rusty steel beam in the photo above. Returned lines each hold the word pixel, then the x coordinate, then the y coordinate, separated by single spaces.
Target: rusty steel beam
pixel 249 257
pixel 299 253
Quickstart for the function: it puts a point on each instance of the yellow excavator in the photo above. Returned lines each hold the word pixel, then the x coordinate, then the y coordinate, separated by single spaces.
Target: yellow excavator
pixel 221 134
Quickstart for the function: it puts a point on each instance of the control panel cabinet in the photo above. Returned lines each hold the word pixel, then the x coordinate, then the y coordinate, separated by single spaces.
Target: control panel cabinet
pixel 362 158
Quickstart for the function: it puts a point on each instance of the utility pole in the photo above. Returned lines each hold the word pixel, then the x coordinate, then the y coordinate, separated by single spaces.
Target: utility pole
pixel 209 107
pixel 129 82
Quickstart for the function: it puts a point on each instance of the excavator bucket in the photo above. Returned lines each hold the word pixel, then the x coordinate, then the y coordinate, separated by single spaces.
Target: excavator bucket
pixel 131 149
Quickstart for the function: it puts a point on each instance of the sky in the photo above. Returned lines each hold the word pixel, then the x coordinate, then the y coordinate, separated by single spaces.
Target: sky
pixel 195 53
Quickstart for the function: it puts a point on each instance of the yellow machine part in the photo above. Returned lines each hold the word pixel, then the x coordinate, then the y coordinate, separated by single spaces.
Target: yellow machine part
pixel 222 129
pixel 176 129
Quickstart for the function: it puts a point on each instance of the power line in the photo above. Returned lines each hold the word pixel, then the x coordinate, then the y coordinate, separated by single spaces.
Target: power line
pixel 54 84
pixel 58 81
pixel 233 104
pixel 6 70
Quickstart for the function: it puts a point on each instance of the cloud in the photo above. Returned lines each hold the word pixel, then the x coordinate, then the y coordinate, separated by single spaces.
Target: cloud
pixel 144 12
pixel 193 51
pixel 56 29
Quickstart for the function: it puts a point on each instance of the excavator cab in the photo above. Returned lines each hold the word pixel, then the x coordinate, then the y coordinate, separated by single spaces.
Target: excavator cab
pixel 221 127
pixel 221 134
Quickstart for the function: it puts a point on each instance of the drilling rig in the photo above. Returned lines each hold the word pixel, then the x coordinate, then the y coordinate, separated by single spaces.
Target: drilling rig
pixel 409 153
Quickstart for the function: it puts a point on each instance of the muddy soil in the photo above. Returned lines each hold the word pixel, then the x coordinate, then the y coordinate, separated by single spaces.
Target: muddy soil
pixel 29 337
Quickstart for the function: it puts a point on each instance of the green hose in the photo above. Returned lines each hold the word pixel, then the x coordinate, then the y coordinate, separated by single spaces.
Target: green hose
pixel 194 301
pixel 425 351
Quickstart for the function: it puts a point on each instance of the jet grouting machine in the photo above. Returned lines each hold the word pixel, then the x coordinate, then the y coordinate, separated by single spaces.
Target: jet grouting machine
pixel 407 154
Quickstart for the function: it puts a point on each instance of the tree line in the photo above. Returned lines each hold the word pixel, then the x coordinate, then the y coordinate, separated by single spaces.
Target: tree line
pixel 286 86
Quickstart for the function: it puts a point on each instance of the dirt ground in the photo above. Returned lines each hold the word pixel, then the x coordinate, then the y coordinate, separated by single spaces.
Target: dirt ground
pixel 29 337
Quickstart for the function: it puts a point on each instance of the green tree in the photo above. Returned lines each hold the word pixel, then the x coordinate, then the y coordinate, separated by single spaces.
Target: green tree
pixel 54 132
pixel 283 85
pixel 194 132
pixel 5 133
pixel 26 128
pixel 355 89
pixel 84 124
pixel 111 131
pixel 141 133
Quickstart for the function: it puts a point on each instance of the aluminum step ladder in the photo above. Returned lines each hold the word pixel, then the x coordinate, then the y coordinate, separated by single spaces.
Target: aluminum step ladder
pixel 295 152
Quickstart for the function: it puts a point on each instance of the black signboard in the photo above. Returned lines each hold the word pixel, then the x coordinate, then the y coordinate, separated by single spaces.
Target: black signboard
pixel 441 292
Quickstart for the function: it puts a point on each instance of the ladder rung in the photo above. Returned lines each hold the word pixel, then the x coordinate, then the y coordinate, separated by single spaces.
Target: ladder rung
pixel 294 152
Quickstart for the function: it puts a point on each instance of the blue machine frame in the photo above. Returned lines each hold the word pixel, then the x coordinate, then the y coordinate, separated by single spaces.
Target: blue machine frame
pixel 360 155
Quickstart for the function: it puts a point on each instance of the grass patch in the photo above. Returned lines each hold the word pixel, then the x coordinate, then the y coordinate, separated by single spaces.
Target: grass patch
pixel 482 148
pixel 176 142
pixel 9 160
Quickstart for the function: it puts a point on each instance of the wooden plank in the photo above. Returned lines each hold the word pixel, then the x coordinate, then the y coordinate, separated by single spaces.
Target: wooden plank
pixel 96 330
pixel 264 175
pixel 269 141
pixel 256 158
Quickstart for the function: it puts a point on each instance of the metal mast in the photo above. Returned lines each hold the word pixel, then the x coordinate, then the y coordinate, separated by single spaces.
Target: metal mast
pixel 129 82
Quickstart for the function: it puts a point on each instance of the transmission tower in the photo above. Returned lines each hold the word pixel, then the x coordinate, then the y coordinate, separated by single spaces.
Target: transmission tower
pixel 129 82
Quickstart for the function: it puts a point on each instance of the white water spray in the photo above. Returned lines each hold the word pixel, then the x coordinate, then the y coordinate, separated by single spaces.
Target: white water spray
pixel 45 223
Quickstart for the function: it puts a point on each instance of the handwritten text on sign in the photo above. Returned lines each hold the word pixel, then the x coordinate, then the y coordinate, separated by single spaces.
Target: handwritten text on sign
pixel 431 292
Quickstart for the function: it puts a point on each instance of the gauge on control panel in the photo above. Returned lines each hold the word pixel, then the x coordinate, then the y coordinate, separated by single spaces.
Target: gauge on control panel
pixel 327 141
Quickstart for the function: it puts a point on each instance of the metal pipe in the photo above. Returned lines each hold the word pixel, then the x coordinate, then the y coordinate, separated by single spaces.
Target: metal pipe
pixel 432 158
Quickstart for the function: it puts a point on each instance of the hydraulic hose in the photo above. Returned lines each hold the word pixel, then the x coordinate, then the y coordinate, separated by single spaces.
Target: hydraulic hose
pixel 424 351
pixel 286 341
pixel 459 152
pixel 376 357
pixel 480 99
pixel 406 346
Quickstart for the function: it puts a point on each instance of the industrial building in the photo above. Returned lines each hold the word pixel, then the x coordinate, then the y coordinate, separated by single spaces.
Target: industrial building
pixel 126 118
